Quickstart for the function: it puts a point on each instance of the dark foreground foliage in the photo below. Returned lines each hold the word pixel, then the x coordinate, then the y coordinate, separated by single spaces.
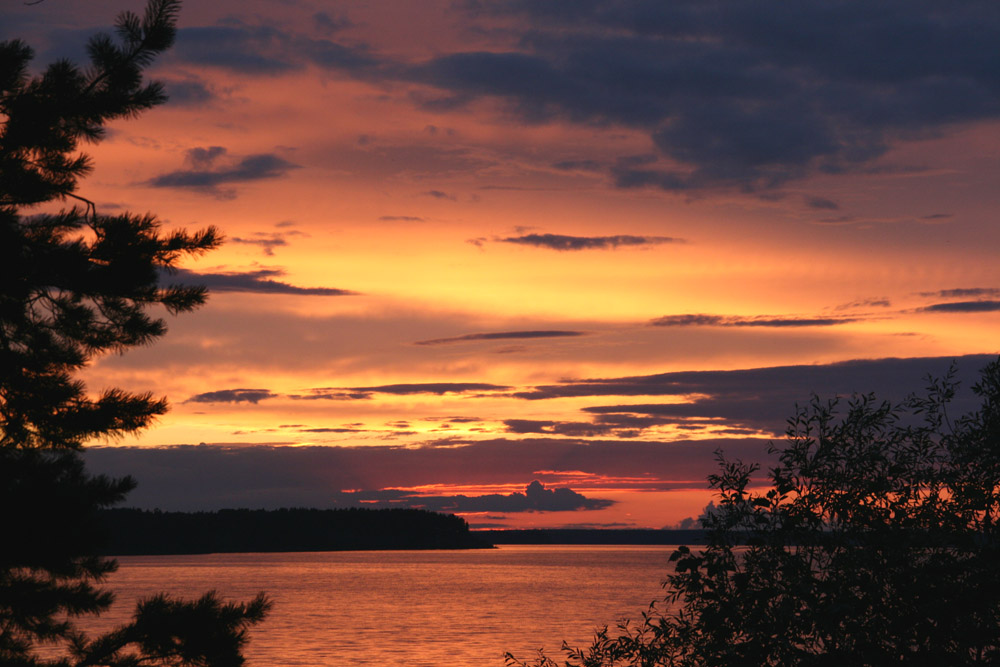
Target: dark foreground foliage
pixel 75 285
pixel 876 544
pixel 228 531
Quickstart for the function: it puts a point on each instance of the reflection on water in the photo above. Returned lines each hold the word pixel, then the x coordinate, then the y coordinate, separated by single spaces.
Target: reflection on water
pixel 456 608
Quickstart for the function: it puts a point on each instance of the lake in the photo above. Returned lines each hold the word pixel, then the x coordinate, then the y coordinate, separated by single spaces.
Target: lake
pixel 414 608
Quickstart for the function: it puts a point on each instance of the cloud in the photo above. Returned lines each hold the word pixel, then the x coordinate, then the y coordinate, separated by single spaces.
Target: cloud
pixel 702 320
pixel 260 281
pixel 207 172
pixel 963 292
pixel 536 498
pixel 872 302
pixel 574 429
pixel 440 194
pixel 400 218
pixel 502 335
pixel 760 399
pixel 267 244
pixel 822 203
pixel 268 50
pixel 561 242
pixel 206 477
pixel 189 92
pixel 438 388
pixel 578 165
pixel 735 94
pixel 232 396
pixel 963 307
pixel 330 24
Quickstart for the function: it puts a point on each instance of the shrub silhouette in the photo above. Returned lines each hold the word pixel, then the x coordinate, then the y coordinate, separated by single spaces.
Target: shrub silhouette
pixel 876 544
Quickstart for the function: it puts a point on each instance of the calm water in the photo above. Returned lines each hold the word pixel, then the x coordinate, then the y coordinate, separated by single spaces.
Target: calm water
pixel 431 608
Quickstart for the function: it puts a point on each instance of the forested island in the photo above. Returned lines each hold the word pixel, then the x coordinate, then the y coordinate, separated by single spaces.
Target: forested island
pixel 142 532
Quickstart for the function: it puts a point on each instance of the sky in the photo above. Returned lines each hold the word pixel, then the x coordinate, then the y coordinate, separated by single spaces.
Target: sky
pixel 475 245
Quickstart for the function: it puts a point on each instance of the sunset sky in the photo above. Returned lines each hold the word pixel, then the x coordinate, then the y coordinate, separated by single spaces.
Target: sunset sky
pixel 475 244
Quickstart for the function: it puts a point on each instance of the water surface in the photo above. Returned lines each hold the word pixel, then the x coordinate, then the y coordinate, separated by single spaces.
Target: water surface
pixel 415 608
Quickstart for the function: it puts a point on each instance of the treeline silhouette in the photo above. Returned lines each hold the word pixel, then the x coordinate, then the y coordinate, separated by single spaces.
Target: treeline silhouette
pixel 143 532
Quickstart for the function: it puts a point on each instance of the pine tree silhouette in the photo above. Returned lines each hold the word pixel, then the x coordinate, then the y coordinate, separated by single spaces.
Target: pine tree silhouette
pixel 75 285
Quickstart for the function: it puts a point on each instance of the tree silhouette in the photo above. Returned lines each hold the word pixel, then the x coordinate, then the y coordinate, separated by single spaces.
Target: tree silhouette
pixel 75 285
pixel 876 544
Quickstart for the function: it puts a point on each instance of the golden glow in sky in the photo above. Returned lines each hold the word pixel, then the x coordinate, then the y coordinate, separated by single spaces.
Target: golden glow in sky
pixel 474 245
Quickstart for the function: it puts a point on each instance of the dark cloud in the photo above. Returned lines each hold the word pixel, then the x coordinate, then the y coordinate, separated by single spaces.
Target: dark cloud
pixel 578 165
pixel 266 243
pixel 736 94
pixel 260 281
pixel 501 335
pixel 188 92
pixel 536 498
pixel 264 49
pixel 561 242
pixel 439 194
pixel 963 307
pixel 874 302
pixel 330 24
pixel 937 216
pixel 232 396
pixel 400 218
pixel 761 398
pixel 702 320
pixel 207 170
pixel 822 203
pixel 204 477
pixel 332 395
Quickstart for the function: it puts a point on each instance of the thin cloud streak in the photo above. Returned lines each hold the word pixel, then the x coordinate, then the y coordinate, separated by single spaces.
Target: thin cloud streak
pixel 253 396
pixel 703 320
pixel 260 281
pixel 502 335
pixel 569 243
pixel 963 307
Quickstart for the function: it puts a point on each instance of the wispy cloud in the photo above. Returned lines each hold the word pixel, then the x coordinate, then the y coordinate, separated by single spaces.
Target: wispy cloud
pixel 361 393
pixel 260 281
pixel 961 292
pixel 703 320
pixel 266 241
pixel 563 242
pixel 501 335
pixel 400 218
pixel 211 167
pixel 984 306
pixel 232 396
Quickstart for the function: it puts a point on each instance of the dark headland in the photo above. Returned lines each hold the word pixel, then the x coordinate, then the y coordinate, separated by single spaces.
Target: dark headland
pixel 139 532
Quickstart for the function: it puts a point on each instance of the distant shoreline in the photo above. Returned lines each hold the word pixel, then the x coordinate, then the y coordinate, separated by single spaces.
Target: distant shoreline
pixel 609 536
pixel 133 532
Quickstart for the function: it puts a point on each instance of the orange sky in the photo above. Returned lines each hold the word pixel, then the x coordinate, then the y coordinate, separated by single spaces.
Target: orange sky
pixel 437 210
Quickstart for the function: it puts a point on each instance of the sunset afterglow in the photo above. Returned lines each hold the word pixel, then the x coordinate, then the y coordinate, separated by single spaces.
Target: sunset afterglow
pixel 471 246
